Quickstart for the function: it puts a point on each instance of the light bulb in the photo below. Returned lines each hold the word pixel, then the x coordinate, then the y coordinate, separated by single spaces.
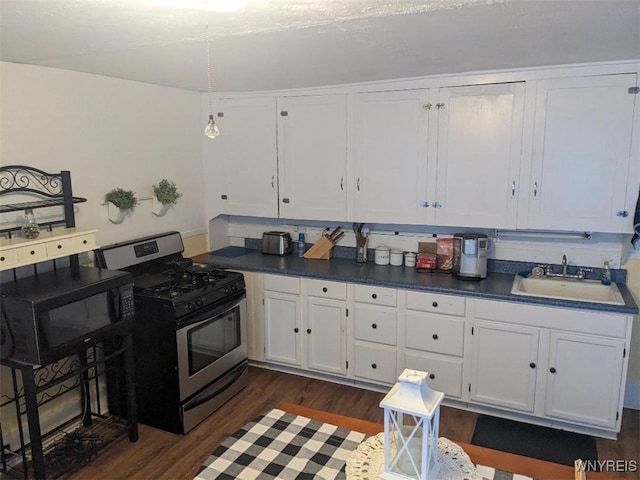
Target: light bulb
pixel 211 130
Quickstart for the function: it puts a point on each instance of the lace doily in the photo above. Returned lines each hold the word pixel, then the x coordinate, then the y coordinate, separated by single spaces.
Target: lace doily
pixel 367 461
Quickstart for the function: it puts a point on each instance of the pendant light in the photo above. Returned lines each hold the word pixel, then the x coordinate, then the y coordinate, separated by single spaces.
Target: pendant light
pixel 211 130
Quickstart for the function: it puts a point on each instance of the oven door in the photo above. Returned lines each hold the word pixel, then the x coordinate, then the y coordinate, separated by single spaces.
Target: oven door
pixel 210 344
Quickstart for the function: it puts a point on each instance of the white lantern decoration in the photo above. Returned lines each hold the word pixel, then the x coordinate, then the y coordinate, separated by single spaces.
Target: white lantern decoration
pixel 411 422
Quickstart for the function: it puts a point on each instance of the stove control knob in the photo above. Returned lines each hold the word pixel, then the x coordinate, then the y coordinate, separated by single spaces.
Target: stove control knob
pixel 199 303
pixel 190 306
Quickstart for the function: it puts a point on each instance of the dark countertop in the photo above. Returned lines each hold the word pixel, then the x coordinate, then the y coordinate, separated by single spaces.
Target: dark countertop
pixel 497 286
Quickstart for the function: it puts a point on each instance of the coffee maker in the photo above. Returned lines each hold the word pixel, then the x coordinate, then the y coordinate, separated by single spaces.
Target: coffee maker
pixel 470 256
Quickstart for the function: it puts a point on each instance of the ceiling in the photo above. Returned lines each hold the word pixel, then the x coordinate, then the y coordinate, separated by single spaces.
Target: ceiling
pixel 283 44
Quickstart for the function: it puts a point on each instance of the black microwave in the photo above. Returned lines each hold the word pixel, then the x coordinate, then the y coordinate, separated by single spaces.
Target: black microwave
pixel 53 315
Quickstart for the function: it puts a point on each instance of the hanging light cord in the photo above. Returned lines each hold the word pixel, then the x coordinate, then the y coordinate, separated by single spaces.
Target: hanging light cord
pixel 210 83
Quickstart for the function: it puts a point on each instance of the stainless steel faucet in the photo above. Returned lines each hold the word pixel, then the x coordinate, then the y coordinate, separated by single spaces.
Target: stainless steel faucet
pixel 606 276
pixel 564 265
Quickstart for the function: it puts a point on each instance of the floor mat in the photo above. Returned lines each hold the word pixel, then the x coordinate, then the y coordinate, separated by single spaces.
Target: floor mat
pixel 534 441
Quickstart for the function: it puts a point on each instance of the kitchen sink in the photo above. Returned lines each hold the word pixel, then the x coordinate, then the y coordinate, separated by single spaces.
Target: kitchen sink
pixel 567 289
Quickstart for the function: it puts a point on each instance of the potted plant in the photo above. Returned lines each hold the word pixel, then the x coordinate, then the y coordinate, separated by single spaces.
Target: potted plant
pixel 166 193
pixel 123 202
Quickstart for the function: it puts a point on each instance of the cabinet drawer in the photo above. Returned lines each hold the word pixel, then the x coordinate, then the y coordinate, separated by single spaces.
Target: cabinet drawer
pixel 445 375
pixel 376 363
pixel 435 334
pixel 32 253
pixel 376 295
pixel 279 283
pixel 60 246
pixel 325 289
pixel 436 303
pixel 8 257
pixel 376 325
pixel 84 243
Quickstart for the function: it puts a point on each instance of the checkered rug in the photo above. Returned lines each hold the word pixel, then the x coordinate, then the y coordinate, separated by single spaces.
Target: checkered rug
pixel 292 447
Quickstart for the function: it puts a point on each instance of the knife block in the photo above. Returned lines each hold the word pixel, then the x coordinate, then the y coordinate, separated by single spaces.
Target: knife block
pixel 321 249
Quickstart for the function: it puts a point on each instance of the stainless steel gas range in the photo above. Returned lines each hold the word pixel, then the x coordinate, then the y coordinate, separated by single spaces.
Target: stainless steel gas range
pixel 190 331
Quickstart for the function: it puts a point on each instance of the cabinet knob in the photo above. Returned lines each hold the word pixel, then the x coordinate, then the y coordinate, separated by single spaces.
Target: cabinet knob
pixel 308 330
pixel 435 304
pixel 374 366
pixel 435 336
pixel 324 289
pixel 552 370
pixel 32 252
pixel 532 365
pixel 2 259
pixel 84 242
pixel 59 247
pixel 296 329
pixel 374 296
pixel 374 325
pixel 432 376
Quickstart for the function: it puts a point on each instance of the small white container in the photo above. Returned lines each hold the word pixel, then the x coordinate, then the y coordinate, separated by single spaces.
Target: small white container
pixel 395 257
pixel 409 259
pixel 382 255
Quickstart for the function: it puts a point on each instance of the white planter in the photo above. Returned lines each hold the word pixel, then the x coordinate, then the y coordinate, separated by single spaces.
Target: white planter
pixel 159 209
pixel 115 214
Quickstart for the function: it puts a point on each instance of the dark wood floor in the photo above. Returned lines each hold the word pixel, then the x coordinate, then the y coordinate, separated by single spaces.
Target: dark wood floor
pixel 162 455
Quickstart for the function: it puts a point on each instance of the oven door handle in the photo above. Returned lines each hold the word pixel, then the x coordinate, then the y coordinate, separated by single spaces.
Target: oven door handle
pixel 218 310
pixel 199 400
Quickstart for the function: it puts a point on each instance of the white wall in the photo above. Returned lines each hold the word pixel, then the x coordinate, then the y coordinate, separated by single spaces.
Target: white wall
pixel 109 133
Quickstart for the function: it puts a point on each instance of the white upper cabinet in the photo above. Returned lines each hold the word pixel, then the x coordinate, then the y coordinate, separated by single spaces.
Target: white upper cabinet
pixel 245 155
pixel 390 142
pixel 312 157
pixel 447 156
pixel 478 159
pixel 580 175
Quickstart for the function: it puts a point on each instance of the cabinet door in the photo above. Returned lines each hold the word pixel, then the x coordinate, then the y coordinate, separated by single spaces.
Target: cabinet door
pixel 312 157
pixel 504 367
pixel 479 146
pixel 390 155
pixel 282 327
pixel 584 379
pixel 245 157
pixel 582 153
pixel 326 335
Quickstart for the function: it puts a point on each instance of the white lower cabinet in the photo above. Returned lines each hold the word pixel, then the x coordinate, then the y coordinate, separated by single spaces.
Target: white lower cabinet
pixel 376 326
pixel 282 319
pixel 504 365
pixel 434 339
pixel 558 364
pixel 305 323
pixel 555 366
pixel 584 378
pixel 326 338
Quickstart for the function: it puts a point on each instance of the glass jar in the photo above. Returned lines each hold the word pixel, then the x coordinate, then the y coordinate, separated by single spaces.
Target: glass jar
pixel 30 228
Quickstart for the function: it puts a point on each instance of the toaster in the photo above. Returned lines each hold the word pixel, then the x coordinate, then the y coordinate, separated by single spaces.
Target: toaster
pixel 277 243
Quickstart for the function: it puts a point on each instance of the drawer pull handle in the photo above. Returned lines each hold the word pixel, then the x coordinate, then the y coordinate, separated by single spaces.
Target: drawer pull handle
pixel 435 304
pixel 59 247
pixel 296 329
pixel 532 365
pixel 374 296
pixel 84 241
pixel 2 259
pixel 324 289
pixel 552 370
pixel 435 336
pixel 32 252
pixel 374 325
pixel 374 366
pixel 308 330
pixel 432 376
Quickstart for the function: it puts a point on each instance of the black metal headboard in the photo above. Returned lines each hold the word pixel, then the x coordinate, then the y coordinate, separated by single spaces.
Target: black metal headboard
pixel 52 189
